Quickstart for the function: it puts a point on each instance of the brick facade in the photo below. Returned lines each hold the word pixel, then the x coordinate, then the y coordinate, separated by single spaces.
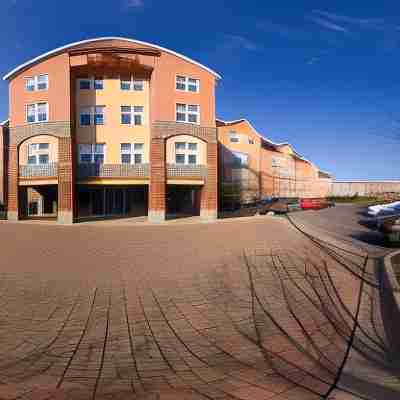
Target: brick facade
pixel 18 135
pixel 158 180
pixel 65 181
pixel 59 129
pixel 4 142
pixel 209 193
pixel 12 203
pixel 161 131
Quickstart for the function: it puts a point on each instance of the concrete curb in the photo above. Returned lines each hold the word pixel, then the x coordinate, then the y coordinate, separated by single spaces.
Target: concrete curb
pixel 168 223
pixel 390 303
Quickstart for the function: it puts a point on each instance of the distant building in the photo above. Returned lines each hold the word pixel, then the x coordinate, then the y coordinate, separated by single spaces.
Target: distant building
pixel 252 167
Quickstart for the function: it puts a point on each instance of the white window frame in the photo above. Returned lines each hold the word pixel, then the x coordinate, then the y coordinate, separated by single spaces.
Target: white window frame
pixel 36 121
pixel 92 113
pixel 186 83
pixel 35 79
pixel 186 152
pixel 186 113
pixel 132 113
pixel 132 80
pixel 132 152
pixel 37 152
pixel 92 152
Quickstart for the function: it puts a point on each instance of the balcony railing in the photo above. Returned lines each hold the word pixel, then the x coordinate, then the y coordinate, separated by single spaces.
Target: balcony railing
pixel 112 170
pixel 186 171
pixel 40 170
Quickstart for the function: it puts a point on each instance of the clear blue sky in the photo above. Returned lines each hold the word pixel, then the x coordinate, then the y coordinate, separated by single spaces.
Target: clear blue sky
pixel 324 78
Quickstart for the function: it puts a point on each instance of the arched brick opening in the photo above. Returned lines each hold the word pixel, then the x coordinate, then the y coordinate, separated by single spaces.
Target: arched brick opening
pixel 22 134
pixel 161 133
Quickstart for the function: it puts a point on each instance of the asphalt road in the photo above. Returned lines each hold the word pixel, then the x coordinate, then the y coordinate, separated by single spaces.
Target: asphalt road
pixel 345 222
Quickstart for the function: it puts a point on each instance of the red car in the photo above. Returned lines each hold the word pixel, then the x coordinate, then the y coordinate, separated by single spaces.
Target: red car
pixel 314 204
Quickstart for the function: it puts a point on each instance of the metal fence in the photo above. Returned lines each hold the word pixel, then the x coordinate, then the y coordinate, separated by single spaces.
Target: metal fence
pixel 28 171
pixel 175 170
pixel 112 170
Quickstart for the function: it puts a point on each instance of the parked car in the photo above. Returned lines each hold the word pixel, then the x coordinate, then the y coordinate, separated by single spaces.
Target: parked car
pixel 315 204
pixel 280 205
pixel 390 227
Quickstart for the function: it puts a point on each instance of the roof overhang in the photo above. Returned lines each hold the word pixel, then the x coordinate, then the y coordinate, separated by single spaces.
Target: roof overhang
pixel 66 47
pixel 6 122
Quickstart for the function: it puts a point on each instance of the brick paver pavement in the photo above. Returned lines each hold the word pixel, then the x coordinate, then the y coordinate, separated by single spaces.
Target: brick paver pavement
pixel 249 310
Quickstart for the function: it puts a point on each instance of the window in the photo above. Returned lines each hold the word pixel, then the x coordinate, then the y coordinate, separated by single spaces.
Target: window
pixel 94 115
pixel 193 85
pixel 188 113
pixel 91 83
pixel 186 153
pixel 187 84
pixel 251 141
pixel 192 159
pixel 30 84
pixel 180 146
pixel 181 83
pixel 37 112
pixel 180 158
pixel 98 84
pixel 38 153
pixel 92 153
pixel 99 115
pixel 234 137
pixel 42 82
pixel 84 84
pixel 275 161
pixel 138 85
pixel 85 116
pixel 132 153
pixel 125 84
pixel 43 158
pixel 129 83
pixel 98 155
pixel 39 82
pixel 132 115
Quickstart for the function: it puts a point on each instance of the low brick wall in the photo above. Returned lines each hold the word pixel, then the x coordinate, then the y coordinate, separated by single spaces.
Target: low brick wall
pixel 390 301
pixel 349 189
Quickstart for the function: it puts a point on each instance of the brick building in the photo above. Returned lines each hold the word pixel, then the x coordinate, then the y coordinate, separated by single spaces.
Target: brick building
pixel 110 127
pixel 113 127
pixel 252 167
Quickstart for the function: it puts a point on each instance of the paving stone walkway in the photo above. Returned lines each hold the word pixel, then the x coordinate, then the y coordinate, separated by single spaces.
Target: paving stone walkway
pixel 250 309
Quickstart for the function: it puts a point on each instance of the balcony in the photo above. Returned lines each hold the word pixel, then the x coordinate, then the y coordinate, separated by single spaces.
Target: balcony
pixel 85 171
pixel 38 171
pixel 186 171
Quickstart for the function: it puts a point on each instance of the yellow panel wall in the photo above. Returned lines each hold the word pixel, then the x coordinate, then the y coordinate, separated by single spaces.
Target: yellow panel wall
pixel 113 133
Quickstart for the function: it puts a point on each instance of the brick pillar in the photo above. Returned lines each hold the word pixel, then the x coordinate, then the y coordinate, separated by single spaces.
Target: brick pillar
pixel 158 181
pixel 209 192
pixel 65 182
pixel 12 204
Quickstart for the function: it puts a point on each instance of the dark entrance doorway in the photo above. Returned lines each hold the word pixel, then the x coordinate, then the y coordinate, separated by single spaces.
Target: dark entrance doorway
pixel 112 201
pixel 38 201
pixel 183 201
